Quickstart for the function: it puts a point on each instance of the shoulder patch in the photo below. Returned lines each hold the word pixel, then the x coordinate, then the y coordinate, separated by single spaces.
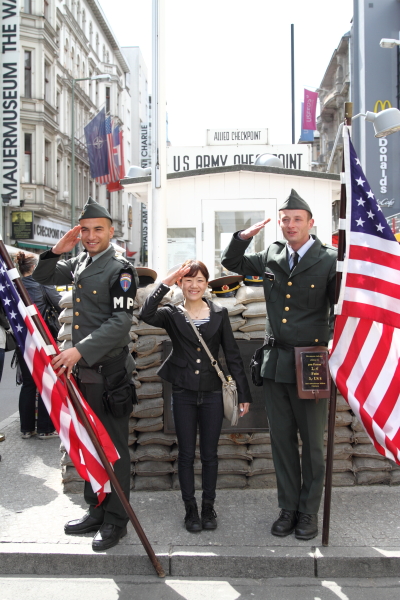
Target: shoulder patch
pixel 125 280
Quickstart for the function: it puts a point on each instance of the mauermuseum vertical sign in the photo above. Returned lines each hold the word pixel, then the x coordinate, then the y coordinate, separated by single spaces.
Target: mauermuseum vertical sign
pixel 374 87
pixel 10 94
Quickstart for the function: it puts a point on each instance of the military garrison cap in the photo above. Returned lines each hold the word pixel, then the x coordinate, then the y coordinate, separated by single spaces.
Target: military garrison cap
pixel 294 202
pixel 94 210
pixel 225 287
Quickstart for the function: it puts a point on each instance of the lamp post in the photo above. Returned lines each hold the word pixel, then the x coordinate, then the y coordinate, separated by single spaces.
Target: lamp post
pixel 101 77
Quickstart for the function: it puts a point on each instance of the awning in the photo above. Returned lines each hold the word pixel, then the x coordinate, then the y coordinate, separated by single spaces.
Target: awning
pixel 33 245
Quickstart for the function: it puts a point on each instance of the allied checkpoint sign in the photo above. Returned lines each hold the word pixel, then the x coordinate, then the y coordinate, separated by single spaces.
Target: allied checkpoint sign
pixel 10 97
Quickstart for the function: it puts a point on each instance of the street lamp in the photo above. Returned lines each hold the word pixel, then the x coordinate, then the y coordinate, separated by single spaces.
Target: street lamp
pixel 389 43
pixel 102 77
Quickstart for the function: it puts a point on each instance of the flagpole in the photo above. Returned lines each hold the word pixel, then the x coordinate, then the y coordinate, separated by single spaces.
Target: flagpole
pixel 86 423
pixel 348 110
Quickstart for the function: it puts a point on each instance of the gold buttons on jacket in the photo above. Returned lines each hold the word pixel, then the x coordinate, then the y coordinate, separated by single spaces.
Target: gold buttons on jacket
pixel 287 308
pixel 94 292
pixel 198 349
pixel 76 326
pixel 79 285
pixel 316 340
pixel 196 372
pixel 312 285
pixel 284 320
pixel 78 299
pixel 198 360
pixel 288 296
pixel 290 283
pixel 77 314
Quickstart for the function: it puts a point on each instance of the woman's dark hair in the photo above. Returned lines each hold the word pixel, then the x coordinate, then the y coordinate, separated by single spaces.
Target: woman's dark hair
pixel 195 267
pixel 25 262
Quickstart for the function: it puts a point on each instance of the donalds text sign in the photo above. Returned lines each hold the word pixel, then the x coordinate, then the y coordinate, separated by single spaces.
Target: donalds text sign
pixel 383 149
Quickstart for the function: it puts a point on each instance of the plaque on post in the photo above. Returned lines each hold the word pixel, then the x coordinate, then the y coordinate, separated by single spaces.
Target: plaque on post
pixel 312 372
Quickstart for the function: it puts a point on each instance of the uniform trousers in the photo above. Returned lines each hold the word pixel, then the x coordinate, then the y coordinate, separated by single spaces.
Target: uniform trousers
pixel 110 510
pixel 299 487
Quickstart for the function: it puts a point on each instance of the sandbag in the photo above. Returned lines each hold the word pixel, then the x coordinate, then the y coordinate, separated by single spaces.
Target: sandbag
pixel 66 460
pixel 228 481
pixel 356 425
pixel 342 465
pixel 395 477
pixel 264 481
pixel 255 309
pixel 152 452
pixel 66 300
pixel 132 334
pixel 65 345
pixel 231 304
pixel 372 477
pixel 260 451
pixel 234 466
pixel 247 293
pixel 65 332
pixel 69 473
pixel 132 424
pixel 240 335
pixel 161 483
pixel 370 464
pixel 149 390
pixel 342 435
pixel 143 329
pixel 132 438
pixel 343 419
pixel 159 437
pixel 152 407
pixel 366 451
pixel 149 375
pixel 152 468
pixel 66 316
pixel 150 360
pixel 341 403
pixel 361 437
pixel 198 484
pixel 260 466
pixel 236 322
pixel 256 335
pixel 149 424
pixel 343 479
pixel 233 451
pixel 74 487
pixel 238 438
pixel 340 451
pixel 254 324
pixel 262 437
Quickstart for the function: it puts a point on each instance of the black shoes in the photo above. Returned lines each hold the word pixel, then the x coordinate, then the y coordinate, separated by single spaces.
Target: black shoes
pixel 192 519
pixel 307 527
pixel 285 523
pixel 108 536
pixel 208 515
pixel 84 525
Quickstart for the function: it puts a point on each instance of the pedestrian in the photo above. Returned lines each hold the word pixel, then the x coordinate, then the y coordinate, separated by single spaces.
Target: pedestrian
pixel 104 288
pixel 196 387
pixel 3 326
pixel 39 295
pixel 299 286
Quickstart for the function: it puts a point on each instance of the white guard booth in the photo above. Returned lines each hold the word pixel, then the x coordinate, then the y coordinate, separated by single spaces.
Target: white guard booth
pixel 206 206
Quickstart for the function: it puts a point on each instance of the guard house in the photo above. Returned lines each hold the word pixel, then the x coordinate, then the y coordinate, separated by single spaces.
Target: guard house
pixel 206 206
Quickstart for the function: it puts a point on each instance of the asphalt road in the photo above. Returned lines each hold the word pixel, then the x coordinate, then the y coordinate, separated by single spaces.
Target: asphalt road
pixel 9 392
pixel 152 588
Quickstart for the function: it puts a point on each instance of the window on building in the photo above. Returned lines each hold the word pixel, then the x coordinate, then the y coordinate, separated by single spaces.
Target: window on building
pixel 58 97
pixel 84 22
pixel 28 73
pixel 58 184
pixel 28 158
pixel 97 44
pixel 78 13
pixel 91 33
pixel 108 57
pixel 28 6
pixel 47 91
pixel 46 9
pixel 47 163
pixel 90 85
pixel 108 99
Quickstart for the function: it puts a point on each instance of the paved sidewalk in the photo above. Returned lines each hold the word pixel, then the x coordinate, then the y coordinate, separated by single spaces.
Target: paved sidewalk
pixel 364 536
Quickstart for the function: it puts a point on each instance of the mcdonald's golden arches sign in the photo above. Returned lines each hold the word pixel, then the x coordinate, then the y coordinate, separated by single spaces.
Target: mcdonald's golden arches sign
pixel 379 105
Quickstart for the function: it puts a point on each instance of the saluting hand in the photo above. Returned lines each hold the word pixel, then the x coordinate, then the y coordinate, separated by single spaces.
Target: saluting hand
pixel 253 230
pixel 176 275
pixel 68 241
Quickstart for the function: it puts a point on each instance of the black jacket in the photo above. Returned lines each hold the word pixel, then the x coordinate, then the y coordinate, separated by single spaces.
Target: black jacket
pixel 37 293
pixel 188 366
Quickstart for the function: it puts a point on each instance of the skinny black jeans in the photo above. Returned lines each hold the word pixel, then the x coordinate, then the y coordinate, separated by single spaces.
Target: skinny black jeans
pixel 27 403
pixel 204 409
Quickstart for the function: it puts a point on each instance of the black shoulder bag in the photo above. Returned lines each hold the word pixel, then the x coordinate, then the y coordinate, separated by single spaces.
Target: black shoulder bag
pixel 51 316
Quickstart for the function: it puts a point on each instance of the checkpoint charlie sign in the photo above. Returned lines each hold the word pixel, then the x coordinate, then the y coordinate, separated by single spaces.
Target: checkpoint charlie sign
pixel 189 158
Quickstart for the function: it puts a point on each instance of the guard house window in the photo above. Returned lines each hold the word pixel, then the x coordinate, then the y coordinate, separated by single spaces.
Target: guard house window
pixel 28 73
pixel 28 6
pixel 108 102
pixel 47 163
pixel 47 92
pixel 28 158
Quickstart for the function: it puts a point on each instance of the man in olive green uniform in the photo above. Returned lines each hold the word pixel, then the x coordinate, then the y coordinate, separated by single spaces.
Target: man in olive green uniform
pixel 104 288
pixel 299 287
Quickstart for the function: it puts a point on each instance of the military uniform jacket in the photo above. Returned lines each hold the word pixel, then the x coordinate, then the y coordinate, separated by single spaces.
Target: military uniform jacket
pixel 103 300
pixel 299 304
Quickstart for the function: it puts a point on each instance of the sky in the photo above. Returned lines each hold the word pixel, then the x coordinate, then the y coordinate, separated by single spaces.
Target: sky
pixel 228 61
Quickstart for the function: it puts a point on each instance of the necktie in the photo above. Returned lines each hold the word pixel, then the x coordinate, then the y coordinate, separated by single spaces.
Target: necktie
pixel 88 261
pixel 295 260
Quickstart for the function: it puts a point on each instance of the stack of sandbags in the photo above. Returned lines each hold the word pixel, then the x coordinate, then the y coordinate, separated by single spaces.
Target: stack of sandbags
pixel 369 466
pixel 342 449
pixel 252 297
pixel 153 458
pixel 65 319
pixel 235 310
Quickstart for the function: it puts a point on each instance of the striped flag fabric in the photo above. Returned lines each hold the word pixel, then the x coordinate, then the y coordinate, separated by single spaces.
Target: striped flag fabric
pixel 96 143
pixel 365 358
pixel 53 390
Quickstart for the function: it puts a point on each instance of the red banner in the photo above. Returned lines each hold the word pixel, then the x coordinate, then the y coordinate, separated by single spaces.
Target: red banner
pixel 309 110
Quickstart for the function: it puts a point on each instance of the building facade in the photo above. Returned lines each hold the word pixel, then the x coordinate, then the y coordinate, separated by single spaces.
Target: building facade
pixel 60 41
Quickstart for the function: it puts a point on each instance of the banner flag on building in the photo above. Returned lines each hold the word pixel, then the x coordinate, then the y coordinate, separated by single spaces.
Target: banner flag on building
pixel 307 135
pixel 53 390
pixel 310 110
pixel 96 141
pixel 365 359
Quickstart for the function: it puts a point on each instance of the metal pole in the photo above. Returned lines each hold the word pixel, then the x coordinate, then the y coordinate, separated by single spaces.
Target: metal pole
pixel 72 191
pixel 292 64
pixel 348 110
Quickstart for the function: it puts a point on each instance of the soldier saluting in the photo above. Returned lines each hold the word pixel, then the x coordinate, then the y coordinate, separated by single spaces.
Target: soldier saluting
pixel 104 288
pixel 299 286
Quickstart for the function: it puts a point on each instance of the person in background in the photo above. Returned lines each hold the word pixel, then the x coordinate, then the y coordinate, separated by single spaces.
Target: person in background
pixel 27 398
pixel 196 387
pixel 3 326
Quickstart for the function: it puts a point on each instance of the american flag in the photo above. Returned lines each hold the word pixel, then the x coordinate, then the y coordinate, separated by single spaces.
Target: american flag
pixel 365 359
pixel 38 355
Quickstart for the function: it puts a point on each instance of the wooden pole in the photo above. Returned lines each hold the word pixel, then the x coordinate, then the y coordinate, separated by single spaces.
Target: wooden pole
pixel 86 423
pixel 333 396
pixel 292 81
